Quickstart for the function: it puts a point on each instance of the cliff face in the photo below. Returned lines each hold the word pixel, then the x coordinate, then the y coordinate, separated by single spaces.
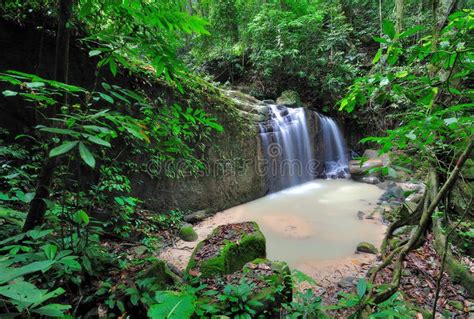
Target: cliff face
pixel 233 162
pixel 232 159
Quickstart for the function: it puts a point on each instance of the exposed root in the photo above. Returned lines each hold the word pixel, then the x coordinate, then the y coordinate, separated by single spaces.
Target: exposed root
pixel 377 295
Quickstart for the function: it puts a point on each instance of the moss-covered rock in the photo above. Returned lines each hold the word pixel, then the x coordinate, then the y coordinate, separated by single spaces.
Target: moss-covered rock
pixel 289 98
pixel 227 250
pixel 365 247
pixel 160 271
pixel 187 233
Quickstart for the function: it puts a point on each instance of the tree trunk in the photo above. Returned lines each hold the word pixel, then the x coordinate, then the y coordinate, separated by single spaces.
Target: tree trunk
pixel 399 6
pixel 38 205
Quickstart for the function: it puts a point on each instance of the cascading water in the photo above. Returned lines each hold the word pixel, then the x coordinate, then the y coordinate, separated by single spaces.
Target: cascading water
pixel 335 151
pixel 289 148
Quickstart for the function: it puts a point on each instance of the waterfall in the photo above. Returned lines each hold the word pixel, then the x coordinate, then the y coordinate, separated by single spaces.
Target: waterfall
pixel 335 151
pixel 289 149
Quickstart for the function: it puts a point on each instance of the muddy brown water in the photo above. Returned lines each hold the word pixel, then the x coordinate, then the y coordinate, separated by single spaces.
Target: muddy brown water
pixel 313 227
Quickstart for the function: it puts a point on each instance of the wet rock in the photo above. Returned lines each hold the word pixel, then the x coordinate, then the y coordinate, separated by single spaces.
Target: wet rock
pixel 196 216
pixel 347 282
pixel 393 194
pixel 356 168
pixel 365 247
pixel 187 233
pixel 370 216
pixel 161 274
pixel 269 101
pixel 289 98
pixel 415 197
pixel 370 180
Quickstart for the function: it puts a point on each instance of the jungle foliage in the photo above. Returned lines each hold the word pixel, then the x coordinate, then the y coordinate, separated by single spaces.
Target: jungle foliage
pixel 76 242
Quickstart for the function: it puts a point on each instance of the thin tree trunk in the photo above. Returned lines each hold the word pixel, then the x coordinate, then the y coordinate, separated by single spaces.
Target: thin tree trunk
pixel 38 206
pixel 380 20
pixel 399 7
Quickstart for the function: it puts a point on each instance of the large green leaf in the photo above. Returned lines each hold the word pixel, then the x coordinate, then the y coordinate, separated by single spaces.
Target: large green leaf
pixel 8 274
pixel 63 148
pixel 172 306
pixel 52 310
pixel 389 29
pixel 86 155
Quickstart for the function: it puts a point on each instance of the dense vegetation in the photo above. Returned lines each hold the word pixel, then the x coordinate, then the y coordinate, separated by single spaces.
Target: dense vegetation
pixel 77 241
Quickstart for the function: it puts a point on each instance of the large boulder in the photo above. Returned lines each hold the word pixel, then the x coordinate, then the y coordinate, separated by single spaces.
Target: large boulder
pixel 289 98
pixel 227 250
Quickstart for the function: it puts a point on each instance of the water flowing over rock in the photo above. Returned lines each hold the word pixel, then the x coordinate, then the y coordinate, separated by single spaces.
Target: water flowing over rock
pixel 335 150
pixel 300 145
pixel 287 147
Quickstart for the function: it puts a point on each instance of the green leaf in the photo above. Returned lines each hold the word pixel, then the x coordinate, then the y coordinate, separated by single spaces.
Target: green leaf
pixel 380 40
pixel 389 28
pixel 9 93
pixel 377 56
pixel 9 274
pixel 98 141
pixel 81 217
pixel 106 97
pixel 34 85
pixel 63 148
pixel 94 53
pixel 52 310
pixel 410 32
pixel 50 250
pixel 62 131
pixel 172 306
pixel 86 155
pixel 113 67
pixel 361 287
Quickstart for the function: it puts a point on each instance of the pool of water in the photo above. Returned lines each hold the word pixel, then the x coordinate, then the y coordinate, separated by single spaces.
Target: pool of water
pixel 315 221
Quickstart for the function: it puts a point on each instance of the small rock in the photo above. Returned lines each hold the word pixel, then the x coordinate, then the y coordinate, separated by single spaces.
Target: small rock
pixel 269 101
pixel 360 214
pixel 187 233
pixel 386 185
pixel 394 193
pixel 370 216
pixel 365 247
pixel 370 180
pixel 346 282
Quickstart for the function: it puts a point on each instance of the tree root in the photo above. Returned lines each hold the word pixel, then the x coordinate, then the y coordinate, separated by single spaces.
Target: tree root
pixel 431 200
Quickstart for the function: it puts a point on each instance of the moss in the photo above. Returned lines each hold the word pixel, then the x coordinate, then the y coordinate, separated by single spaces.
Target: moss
pixel 457 271
pixel 365 247
pixel 163 276
pixel 289 98
pixel 187 233
pixel 232 255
